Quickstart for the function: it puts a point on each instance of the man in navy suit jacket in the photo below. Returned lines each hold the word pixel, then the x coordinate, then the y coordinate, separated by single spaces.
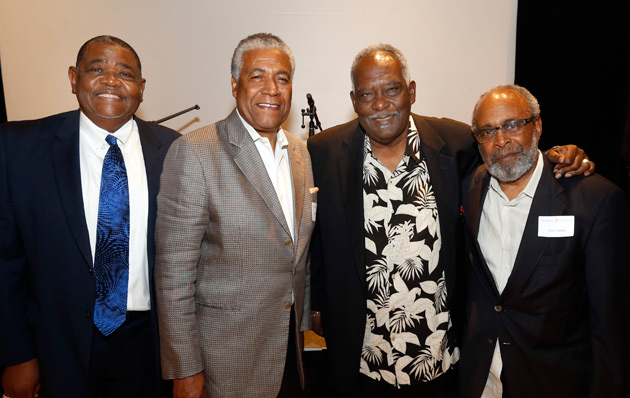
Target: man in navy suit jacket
pixel 50 174
pixel 545 304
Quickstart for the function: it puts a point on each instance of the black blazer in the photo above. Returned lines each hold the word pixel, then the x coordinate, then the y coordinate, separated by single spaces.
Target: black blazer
pixel 338 271
pixel 47 287
pixel 559 317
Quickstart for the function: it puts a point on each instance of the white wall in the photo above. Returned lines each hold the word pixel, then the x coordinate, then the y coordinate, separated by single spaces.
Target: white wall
pixel 456 50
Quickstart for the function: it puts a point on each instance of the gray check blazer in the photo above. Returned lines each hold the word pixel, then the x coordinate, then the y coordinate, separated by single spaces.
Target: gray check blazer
pixel 226 265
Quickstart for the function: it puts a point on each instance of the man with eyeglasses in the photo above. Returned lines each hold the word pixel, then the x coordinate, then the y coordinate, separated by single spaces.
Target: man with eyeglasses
pixel 548 261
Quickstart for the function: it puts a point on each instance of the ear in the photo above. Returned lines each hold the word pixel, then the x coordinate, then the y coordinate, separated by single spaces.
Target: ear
pixel 354 105
pixel 234 87
pixel 538 125
pixel 412 92
pixel 72 76
pixel 142 83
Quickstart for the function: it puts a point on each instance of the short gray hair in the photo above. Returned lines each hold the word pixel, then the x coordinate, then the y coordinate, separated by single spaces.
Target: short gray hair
pixel 256 42
pixel 388 48
pixel 534 108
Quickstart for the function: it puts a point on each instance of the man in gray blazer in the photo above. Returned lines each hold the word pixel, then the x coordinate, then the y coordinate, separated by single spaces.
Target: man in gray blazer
pixel 236 213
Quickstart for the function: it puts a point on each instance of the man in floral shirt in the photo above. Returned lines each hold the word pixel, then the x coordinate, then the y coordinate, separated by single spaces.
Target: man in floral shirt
pixel 389 235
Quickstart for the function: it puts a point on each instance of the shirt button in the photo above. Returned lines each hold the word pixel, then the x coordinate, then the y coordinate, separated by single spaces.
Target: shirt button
pixel 287 242
pixel 287 305
pixel 498 308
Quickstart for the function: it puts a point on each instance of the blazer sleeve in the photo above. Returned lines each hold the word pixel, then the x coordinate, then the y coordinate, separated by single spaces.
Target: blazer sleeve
pixel 607 258
pixel 16 340
pixel 180 226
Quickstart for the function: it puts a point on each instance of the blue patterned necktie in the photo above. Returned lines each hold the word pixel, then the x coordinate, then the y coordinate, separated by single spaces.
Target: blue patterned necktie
pixel 111 259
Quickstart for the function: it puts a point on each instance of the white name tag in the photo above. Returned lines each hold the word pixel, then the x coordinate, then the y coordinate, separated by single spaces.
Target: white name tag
pixel 556 226
pixel 314 210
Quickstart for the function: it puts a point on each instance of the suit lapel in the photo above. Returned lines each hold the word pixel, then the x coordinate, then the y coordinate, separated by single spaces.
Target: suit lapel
pixel 248 160
pixel 153 160
pixel 545 203
pixel 66 166
pixel 350 164
pixel 299 179
pixel 476 197
pixel 444 180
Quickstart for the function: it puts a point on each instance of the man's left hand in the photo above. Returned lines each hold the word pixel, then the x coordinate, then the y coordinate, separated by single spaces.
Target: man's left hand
pixel 570 161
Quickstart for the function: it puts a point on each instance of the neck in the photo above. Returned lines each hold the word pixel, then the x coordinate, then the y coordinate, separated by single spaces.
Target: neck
pixel 390 154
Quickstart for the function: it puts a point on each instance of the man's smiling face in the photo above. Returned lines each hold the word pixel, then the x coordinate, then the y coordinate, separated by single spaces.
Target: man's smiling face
pixel 108 85
pixel 264 88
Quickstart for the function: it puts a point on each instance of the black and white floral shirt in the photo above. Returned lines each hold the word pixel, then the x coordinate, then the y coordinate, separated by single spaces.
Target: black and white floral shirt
pixel 406 334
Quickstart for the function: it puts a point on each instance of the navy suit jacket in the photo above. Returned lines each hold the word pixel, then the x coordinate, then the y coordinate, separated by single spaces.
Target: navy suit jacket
pixel 338 271
pixel 559 318
pixel 47 288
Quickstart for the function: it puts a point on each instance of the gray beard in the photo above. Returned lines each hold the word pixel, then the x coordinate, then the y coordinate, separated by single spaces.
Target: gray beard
pixel 512 172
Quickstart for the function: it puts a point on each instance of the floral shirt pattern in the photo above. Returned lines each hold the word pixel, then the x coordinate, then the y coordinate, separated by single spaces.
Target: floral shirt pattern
pixel 407 329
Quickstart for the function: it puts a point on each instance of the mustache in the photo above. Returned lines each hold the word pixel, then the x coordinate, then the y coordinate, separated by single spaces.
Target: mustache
pixel 504 151
pixel 382 114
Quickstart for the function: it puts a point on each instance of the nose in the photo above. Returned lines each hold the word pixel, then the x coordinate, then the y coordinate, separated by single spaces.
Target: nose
pixel 501 138
pixel 110 79
pixel 380 102
pixel 271 87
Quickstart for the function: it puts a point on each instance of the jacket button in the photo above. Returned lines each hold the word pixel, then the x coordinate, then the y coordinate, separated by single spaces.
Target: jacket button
pixel 491 341
pixel 287 305
pixel 287 242
pixel 498 308
pixel 88 314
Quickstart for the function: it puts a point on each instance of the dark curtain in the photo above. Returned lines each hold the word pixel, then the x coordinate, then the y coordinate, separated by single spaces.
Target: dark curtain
pixel 3 108
pixel 574 57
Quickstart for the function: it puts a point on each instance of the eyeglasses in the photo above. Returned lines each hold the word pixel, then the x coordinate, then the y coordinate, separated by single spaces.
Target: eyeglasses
pixel 511 129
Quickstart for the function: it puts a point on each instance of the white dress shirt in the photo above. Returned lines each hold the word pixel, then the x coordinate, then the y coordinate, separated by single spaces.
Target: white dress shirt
pixel 92 150
pixel 500 232
pixel 277 165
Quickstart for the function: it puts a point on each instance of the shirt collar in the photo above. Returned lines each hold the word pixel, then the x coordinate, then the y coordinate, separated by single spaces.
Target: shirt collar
pixel 281 140
pixel 95 136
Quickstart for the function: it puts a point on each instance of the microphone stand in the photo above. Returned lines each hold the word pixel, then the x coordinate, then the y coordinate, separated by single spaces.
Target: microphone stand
pixel 312 113
pixel 175 114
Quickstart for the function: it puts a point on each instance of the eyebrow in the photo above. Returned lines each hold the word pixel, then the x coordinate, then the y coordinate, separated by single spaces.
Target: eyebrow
pixel 262 70
pixel 103 60
pixel 124 65
pixel 508 120
pixel 395 82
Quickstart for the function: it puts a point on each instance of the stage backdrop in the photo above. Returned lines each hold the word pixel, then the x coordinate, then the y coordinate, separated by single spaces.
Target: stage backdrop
pixel 456 50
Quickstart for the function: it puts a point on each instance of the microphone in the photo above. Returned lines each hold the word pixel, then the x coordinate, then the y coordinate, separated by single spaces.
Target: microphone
pixel 312 113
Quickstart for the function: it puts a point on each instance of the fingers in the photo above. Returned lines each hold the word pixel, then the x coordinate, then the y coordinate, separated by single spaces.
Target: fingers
pixel 571 161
